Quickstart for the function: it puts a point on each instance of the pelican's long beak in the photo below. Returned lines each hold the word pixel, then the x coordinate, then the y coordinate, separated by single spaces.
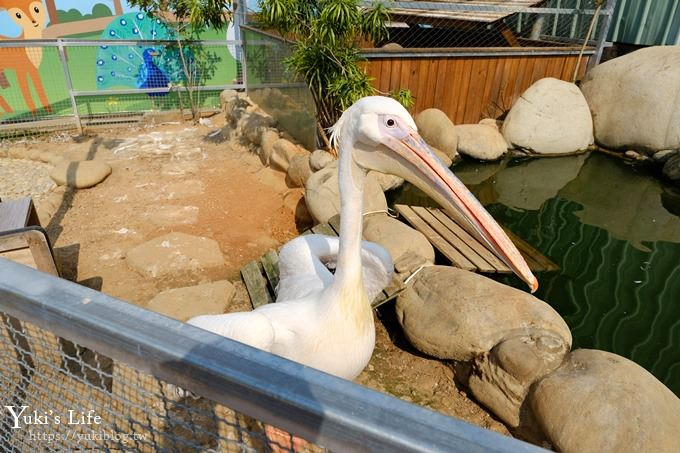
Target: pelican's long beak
pixel 420 166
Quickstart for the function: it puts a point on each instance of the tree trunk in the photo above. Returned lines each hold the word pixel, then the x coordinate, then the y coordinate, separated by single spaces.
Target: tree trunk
pixel 52 11
pixel 118 8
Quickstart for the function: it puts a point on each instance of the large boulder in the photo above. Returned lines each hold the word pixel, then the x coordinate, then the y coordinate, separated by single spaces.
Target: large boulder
pixel 266 149
pixel 319 159
pixel 445 160
pixel 80 174
pixel 454 314
pixel 634 100
pixel 175 255
pixel 185 303
pixel 501 379
pixel 438 131
pixel 298 171
pixel 234 106
pixel 387 182
pixel 253 125
pixel 551 117
pixel 282 154
pixel 323 198
pixel 398 238
pixel 294 201
pixel 598 401
pixel 506 338
pixel 226 96
pixel 481 141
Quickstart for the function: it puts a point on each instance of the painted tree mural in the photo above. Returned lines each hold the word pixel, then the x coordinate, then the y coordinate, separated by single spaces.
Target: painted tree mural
pixel 52 10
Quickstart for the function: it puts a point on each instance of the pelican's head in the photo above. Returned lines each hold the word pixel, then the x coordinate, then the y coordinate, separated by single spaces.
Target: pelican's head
pixel 382 136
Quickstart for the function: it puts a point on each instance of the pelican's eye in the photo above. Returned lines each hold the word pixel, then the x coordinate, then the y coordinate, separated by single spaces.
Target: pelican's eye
pixel 389 122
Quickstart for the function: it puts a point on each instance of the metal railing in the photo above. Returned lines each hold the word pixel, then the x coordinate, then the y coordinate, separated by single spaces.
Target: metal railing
pixel 90 371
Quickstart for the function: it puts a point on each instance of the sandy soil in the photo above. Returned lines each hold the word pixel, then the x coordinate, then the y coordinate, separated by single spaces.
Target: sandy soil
pixel 241 206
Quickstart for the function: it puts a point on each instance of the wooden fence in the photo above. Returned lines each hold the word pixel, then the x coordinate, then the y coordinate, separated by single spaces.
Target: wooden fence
pixel 469 87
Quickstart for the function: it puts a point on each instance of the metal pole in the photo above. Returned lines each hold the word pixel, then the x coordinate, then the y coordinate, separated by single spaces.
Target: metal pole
pixel 244 53
pixel 69 85
pixel 608 12
pixel 322 408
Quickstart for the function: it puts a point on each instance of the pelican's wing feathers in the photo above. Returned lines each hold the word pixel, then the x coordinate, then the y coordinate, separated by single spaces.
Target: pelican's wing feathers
pixel 303 271
pixel 302 265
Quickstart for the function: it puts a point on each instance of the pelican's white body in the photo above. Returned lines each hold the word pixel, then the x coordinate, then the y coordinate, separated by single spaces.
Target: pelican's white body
pixel 313 322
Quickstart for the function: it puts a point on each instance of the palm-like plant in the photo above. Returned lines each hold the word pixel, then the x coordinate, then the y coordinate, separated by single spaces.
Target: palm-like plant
pixel 325 37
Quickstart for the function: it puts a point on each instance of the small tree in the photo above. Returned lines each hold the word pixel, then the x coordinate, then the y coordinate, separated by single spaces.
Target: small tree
pixel 325 37
pixel 188 18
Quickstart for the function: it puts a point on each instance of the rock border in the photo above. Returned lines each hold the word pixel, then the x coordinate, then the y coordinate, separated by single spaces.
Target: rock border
pixel 50 201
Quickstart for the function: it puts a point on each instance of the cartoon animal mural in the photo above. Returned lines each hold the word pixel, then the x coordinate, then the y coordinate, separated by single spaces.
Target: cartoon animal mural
pixel 140 66
pixel 30 16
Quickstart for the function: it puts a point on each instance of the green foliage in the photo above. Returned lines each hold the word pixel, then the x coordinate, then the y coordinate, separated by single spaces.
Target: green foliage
pixel 72 15
pixel 200 14
pixel 405 98
pixel 326 34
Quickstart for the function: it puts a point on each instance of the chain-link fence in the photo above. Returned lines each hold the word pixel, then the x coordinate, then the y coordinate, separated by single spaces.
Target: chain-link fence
pixel 276 89
pixel 496 24
pixel 61 84
pixel 83 371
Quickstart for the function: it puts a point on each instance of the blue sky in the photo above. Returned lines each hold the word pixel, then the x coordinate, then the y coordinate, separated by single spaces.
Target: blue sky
pixel 9 28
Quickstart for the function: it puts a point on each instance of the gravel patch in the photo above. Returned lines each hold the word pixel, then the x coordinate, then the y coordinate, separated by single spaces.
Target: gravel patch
pixel 24 178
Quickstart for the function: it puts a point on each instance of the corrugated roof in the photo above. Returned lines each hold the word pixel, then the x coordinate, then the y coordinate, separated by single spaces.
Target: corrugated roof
pixel 646 22
pixel 474 16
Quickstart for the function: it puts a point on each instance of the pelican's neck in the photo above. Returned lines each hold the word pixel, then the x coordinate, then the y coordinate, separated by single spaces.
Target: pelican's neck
pixel 351 186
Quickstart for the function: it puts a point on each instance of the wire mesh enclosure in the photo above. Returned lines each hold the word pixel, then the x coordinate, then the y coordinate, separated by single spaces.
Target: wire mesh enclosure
pixel 495 24
pixel 83 371
pixel 61 396
pixel 276 89
pixel 79 83
pixel 473 58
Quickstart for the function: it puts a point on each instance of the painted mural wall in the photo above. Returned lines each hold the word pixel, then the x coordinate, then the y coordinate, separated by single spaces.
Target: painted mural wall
pixel 33 82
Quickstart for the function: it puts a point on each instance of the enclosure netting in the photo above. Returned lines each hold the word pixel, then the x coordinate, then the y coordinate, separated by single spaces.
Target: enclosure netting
pixel 495 24
pixel 59 396
pixel 102 83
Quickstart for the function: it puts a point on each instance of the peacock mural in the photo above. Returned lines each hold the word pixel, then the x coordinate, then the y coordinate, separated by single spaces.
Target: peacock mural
pixel 140 66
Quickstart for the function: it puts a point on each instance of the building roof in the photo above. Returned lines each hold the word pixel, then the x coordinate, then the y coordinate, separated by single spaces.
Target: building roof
pixel 483 16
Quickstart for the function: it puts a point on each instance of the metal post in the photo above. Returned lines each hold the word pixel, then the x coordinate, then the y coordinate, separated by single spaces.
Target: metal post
pixel 608 12
pixel 242 16
pixel 69 85
pixel 244 61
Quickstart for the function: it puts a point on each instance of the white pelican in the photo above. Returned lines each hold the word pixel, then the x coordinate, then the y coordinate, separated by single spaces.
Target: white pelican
pixel 323 320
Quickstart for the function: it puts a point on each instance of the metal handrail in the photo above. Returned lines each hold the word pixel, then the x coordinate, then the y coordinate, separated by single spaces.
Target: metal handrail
pixel 324 409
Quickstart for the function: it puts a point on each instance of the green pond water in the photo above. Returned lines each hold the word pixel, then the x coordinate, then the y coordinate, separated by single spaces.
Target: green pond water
pixel 613 229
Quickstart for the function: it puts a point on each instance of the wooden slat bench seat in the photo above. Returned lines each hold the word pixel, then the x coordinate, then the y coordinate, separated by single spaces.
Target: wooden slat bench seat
pixel 462 248
pixel 446 235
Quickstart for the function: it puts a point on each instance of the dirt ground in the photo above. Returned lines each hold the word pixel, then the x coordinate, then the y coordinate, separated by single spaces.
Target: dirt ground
pixel 241 206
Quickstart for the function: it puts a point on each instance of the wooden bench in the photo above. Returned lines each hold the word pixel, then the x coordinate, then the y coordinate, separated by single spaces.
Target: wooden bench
pixel 22 238
pixel 463 249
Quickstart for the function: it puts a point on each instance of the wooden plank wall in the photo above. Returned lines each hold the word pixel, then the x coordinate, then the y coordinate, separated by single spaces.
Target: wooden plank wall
pixel 468 89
